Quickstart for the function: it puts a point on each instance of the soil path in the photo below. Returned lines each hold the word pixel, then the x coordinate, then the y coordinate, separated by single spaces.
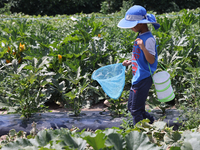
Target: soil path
pixel 100 106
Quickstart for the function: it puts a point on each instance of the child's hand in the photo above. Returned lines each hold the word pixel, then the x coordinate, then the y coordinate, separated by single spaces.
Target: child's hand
pixel 126 62
pixel 140 43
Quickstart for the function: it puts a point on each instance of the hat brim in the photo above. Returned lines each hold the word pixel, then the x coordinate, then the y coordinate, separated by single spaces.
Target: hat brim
pixel 155 24
pixel 125 24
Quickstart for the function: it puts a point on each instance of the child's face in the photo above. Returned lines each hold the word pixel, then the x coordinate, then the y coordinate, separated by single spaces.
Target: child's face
pixel 137 28
pixel 141 27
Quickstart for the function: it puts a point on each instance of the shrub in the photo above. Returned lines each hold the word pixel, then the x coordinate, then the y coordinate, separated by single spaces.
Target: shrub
pixel 52 7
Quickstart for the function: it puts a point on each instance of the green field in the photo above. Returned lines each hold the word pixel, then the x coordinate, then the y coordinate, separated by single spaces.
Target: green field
pixel 51 59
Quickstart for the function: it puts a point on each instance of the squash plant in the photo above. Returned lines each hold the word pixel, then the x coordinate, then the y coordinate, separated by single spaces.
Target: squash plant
pixel 143 136
pixel 28 86
pixel 78 87
pixel 90 42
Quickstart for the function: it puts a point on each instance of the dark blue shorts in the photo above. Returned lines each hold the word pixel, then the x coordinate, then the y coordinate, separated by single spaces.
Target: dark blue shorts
pixel 137 99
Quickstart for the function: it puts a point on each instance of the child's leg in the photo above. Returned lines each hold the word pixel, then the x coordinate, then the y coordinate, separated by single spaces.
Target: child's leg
pixel 147 115
pixel 137 99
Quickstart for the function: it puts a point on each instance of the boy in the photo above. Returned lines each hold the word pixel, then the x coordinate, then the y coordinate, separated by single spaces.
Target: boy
pixel 144 55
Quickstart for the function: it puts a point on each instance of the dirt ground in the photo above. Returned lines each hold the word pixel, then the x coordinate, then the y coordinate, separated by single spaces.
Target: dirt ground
pixel 56 108
pixel 101 106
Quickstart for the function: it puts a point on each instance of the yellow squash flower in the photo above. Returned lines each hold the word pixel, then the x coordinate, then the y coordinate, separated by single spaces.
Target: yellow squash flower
pixel 8 49
pixel 60 58
pixel 21 47
pixel 7 61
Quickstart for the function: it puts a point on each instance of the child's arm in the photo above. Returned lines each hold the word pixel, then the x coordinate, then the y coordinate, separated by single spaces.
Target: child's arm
pixel 149 57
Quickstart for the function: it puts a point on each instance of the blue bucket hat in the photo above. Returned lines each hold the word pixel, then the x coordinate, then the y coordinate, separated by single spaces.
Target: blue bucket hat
pixel 137 14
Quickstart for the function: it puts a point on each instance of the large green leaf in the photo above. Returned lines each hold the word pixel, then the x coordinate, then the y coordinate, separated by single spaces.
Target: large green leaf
pixel 87 133
pixel 73 142
pixel 139 141
pixel 172 137
pixel 116 140
pixel 188 146
pixel 97 141
pixel 43 138
pixel 191 141
pixel 111 130
pixel 19 144
pixel 51 139
pixel 160 125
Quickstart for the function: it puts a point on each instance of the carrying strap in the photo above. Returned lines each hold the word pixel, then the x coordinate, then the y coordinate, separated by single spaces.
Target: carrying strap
pixel 159 64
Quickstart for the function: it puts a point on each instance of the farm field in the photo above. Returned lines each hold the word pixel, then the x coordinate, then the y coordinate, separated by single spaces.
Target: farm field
pixel 51 59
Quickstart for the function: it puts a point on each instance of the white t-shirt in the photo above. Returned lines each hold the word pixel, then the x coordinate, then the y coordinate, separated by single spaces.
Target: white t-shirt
pixel 150 45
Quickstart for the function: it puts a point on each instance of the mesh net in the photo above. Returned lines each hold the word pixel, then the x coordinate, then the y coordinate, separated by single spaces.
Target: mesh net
pixel 111 78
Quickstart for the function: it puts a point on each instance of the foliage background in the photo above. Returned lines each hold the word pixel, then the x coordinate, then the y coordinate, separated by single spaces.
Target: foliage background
pixel 36 75
pixel 55 7
pixel 52 58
